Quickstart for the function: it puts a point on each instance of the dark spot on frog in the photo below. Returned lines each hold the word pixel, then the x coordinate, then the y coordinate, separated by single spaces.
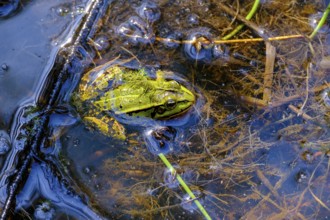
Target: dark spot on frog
pixel 160 110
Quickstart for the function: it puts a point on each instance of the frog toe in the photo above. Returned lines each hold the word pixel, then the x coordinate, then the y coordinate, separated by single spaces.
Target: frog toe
pixel 118 130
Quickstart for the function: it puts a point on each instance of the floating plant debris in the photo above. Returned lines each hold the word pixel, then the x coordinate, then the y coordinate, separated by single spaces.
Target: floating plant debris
pixel 254 143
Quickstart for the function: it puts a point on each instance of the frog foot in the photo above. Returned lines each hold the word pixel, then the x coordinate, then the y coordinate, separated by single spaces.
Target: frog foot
pixel 107 126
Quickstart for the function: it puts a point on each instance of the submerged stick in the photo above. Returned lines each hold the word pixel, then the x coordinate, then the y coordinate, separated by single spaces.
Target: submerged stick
pixel 298 112
pixel 268 74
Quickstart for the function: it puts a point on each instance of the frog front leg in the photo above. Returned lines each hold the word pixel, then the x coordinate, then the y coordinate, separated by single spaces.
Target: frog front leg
pixel 107 126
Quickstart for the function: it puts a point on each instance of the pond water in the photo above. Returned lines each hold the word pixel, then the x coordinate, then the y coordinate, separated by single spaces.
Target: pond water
pixel 253 144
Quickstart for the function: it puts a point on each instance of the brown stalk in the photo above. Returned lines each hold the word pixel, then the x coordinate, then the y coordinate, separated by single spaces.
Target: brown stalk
pixel 268 75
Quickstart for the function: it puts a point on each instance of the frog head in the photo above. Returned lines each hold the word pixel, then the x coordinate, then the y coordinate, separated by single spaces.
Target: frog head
pixel 153 98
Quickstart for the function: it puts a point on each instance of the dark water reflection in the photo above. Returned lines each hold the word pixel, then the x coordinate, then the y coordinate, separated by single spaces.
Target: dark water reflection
pixel 27 42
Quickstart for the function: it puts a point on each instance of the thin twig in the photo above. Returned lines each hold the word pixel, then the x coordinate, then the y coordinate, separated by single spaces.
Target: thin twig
pixel 307 90
pixel 253 101
pixel 261 103
pixel 317 199
pixel 299 112
pixel 246 40
pixel 268 76
pixel 268 184
pixel 297 96
pixel 288 73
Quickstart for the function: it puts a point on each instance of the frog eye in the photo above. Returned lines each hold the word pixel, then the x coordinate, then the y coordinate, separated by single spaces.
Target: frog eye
pixel 170 104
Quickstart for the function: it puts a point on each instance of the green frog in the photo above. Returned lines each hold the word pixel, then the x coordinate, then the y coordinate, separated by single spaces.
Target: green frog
pixel 111 92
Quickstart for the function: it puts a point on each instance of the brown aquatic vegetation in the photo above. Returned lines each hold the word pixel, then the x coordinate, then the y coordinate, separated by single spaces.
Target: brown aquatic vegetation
pixel 265 152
